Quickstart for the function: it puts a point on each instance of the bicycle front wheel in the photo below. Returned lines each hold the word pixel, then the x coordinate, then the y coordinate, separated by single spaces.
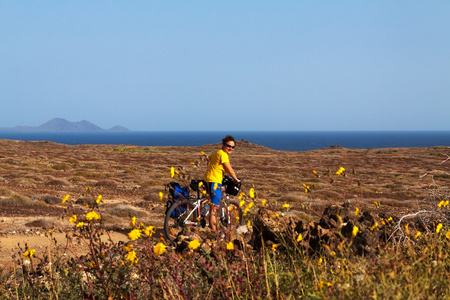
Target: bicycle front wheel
pixel 232 217
pixel 179 217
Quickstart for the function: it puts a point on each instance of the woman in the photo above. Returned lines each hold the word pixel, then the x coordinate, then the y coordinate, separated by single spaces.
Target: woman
pixel 219 163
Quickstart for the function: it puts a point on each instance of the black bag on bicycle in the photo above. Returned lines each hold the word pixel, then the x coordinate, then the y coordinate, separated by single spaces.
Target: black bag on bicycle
pixel 177 193
pixel 231 188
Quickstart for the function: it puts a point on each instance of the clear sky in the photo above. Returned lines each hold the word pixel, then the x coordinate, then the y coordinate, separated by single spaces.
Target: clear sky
pixel 227 65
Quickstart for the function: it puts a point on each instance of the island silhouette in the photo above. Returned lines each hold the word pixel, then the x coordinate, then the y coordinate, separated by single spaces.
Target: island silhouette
pixel 62 125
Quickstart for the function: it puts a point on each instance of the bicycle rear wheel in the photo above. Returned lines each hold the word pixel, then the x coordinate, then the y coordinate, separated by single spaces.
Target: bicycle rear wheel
pixel 178 217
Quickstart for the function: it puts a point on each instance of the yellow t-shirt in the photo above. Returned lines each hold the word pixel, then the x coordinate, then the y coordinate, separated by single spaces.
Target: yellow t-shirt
pixel 215 168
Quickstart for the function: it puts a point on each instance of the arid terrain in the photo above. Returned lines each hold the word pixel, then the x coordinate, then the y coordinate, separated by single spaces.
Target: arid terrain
pixel 36 176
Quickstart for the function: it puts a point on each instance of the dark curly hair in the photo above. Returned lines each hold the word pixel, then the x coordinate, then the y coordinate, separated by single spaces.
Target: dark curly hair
pixel 228 138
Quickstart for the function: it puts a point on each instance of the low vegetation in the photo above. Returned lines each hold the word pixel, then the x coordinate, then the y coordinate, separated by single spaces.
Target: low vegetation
pixel 346 254
pixel 327 234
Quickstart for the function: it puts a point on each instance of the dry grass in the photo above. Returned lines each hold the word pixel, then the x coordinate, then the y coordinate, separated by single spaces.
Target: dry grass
pixel 123 210
pixel 58 182
pixel 42 223
pixel 17 200
pixel 107 183
pixel 135 176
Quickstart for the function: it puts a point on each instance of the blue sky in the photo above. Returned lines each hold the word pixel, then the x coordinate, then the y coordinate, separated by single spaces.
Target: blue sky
pixel 227 65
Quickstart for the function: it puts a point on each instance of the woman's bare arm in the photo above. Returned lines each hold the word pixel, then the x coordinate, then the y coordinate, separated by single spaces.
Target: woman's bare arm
pixel 229 170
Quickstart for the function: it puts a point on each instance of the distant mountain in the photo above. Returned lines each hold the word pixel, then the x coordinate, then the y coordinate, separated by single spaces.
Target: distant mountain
pixel 62 125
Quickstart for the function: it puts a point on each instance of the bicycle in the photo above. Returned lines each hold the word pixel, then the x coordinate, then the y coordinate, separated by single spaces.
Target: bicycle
pixel 192 212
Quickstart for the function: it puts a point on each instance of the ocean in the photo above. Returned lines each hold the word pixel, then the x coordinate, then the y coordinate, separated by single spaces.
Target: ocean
pixel 278 140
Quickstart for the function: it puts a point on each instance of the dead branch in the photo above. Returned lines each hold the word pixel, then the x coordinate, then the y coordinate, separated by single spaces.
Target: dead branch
pixel 398 227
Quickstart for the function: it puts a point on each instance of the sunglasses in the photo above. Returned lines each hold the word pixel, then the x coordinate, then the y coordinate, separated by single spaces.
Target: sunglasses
pixel 229 146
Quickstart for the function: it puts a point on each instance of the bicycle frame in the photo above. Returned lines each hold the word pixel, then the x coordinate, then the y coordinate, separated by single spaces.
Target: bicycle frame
pixel 223 208
pixel 228 212
pixel 197 207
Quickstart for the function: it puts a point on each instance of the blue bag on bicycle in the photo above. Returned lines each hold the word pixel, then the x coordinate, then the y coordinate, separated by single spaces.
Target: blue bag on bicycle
pixel 177 193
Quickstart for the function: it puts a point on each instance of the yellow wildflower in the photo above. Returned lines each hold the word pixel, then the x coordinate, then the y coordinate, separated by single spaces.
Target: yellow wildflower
pixel 161 196
pixel 242 203
pixel 92 215
pixel 200 184
pixel 355 231
pixel 29 253
pixel 407 229
pixel 131 256
pixel 193 244
pixel 246 211
pixel 99 198
pixel 249 223
pixel 172 172
pixel 80 224
pixel 375 225
pixel 340 171
pixel 241 196
pixel 251 204
pixel 133 222
pixel 299 238
pixel 319 262
pixel 251 193
pixel 314 172
pixel 438 227
pixel 134 234
pixel 202 153
pixel 356 211
pixel 65 199
pixel 274 247
pixel 159 249
pixel 285 206
pixel 149 230
pixel 276 215
pixel 263 203
pixel 321 284
pixel 128 248
pixel 441 204
pixel 230 246
pixel 447 235
pixel 446 203
pixel 306 188
pixel 418 234
pixel 73 219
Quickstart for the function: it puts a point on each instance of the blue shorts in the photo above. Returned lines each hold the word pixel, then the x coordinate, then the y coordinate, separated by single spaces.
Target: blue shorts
pixel 216 194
